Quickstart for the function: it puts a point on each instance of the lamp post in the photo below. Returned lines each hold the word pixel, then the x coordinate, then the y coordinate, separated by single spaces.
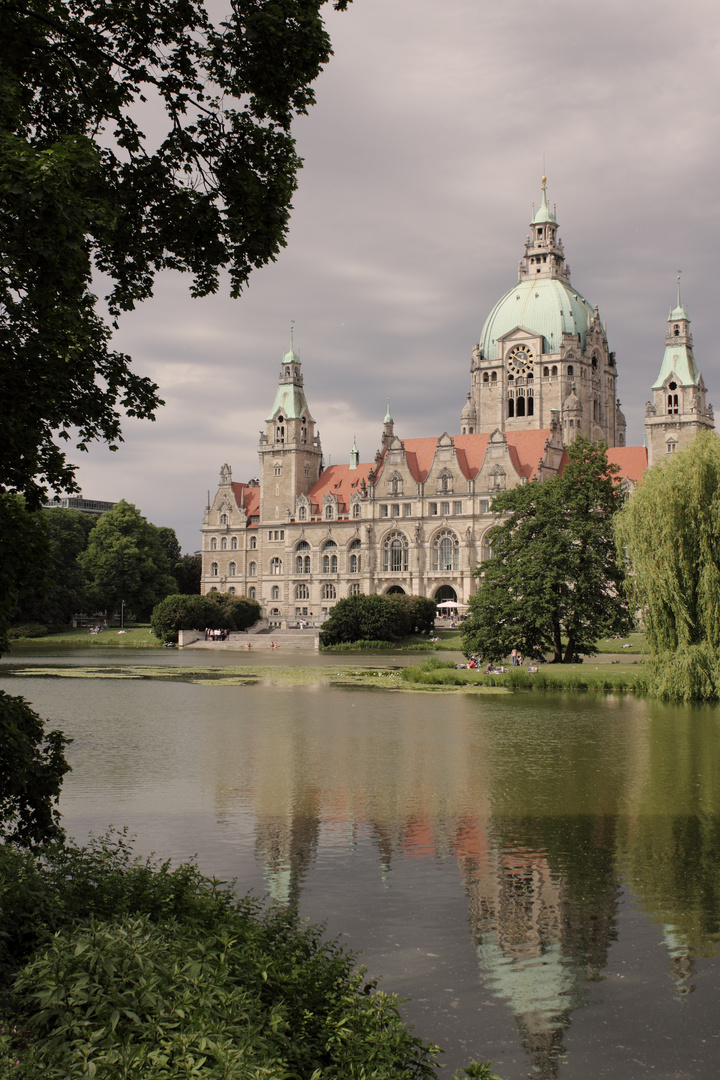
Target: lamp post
pixel 122 614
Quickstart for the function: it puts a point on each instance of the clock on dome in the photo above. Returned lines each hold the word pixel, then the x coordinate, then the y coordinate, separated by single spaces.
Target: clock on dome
pixel 519 360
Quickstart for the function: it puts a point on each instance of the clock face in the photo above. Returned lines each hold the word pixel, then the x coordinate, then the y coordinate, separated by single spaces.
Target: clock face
pixel 519 360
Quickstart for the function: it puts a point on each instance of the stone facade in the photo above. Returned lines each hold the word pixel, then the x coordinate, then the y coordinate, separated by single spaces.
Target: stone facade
pixel 416 519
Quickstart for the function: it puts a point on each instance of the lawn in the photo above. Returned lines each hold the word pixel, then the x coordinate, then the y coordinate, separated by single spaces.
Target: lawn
pixel 135 637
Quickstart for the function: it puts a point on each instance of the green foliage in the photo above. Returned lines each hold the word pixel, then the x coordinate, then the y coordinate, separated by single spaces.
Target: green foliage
pixel 218 611
pixel 82 190
pixel 32 765
pixel 188 573
pixel 377 618
pixel 669 532
pixel 125 560
pixel 27 630
pixel 64 593
pixel 24 554
pixel 553 576
pixel 132 969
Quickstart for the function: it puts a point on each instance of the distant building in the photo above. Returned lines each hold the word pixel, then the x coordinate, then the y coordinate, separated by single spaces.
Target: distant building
pixel 416 519
pixel 76 502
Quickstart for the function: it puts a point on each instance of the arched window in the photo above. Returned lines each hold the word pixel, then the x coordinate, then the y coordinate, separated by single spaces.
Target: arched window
pixel 223 544
pixel 275 592
pixel 302 558
pixel 511 406
pixel 213 544
pixel 302 513
pixel 233 543
pixel 330 560
pixel 546 372
pixel 231 590
pixel 554 369
pixel 329 512
pixel 223 519
pixel 276 565
pixel 232 569
pixel 252 569
pixel 354 589
pixel 571 369
pixel 486 377
pixel 251 594
pixel 520 406
pixel 277 468
pixel 395 552
pixel 302 592
pixel 354 550
pixel 594 363
pixel 446 551
pixel 486 548
pixel 356 510
pixel 214 569
pixel 280 430
pixel 530 404
pixel 395 484
pixel 493 376
pixel 445 483
pixel 213 589
pixel 328 592
pixel 253 543
pixel 673 403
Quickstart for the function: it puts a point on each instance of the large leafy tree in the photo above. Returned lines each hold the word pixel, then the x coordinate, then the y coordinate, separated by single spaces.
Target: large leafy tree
pixel 125 560
pixel 669 533
pixel 55 598
pixel 553 583
pixel 83 188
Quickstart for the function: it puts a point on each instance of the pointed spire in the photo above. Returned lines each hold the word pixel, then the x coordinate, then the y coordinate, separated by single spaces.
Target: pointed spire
pixel 388 418
pixel 354 454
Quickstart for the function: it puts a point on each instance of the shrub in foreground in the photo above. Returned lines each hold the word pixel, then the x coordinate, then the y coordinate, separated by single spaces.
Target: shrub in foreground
pixel 378 618
pixel 122 968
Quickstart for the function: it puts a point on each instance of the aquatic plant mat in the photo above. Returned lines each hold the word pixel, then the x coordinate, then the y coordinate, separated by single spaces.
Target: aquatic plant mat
pixel 432 675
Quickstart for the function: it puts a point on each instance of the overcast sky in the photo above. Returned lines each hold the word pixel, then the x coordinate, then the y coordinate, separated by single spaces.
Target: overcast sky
pixel 422 158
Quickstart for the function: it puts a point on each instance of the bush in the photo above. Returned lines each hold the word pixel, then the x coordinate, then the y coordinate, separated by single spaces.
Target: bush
pixel 134 969
pixel 378 618
pixel 32 765
pixel 219 611
pixel 27 630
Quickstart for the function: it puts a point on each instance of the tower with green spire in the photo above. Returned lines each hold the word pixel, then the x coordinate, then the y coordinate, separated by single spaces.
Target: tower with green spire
pixel 678 409
pixel 290 450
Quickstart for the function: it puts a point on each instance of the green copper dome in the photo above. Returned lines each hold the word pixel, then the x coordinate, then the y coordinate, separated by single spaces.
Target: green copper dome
pixel 547 306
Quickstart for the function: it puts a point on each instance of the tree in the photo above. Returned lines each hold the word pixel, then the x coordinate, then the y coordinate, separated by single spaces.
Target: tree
pixel 669 533
pixel 219 611
pixel 32 765
pixel 377 618
pixel 125 560
pixel 553 575
pixel 55 599
pixel 84 189
pixel 188 573
pixel 24 556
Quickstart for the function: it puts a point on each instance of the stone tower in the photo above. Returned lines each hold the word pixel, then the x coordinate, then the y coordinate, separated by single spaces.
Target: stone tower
pixel 678 409
pixel 290 451
pixel 544 347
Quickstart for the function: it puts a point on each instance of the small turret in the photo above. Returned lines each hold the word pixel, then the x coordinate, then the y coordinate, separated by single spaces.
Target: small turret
pixel 388 428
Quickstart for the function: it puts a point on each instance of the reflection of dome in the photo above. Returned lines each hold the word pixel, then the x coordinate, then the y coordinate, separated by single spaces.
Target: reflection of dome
pixel 547 306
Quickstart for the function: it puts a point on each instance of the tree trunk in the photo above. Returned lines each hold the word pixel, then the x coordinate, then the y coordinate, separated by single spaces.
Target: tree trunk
pixel 570 650
pixel 557 643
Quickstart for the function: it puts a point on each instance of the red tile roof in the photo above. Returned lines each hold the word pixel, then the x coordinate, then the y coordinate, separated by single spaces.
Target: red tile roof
pixel 340 481
pixel 632 461
pixel 251 497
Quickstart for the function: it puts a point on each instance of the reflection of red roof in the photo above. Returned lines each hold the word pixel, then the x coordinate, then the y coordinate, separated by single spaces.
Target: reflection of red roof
pixel 340 481
pixel 251 496
pixel 631 460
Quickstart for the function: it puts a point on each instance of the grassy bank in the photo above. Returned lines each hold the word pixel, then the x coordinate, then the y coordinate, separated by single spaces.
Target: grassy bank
pixel 434 673
pixel 135 637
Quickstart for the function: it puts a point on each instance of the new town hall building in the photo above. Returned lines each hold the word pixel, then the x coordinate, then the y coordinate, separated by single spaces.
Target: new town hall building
pixel 415 520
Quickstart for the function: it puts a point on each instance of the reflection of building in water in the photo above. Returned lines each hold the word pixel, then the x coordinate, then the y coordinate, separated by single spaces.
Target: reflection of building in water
pixel 541 934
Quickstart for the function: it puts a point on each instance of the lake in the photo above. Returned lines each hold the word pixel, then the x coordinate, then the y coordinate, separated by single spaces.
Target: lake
pixel 540 874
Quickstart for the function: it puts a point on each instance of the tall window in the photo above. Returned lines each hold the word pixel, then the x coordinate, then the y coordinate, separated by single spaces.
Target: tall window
pixel 233 543
pixel 302 513
pixel 395 552
pixel 356 510
pixel 214 569
pixel 232 569
pixel 486 548
pixel 329 512
pixel 446 551
pixel 354 589
pixel 223 519
pixel 354 564
pixel 328 592
pixel 213 544
pixel 252 569
pixel 276 565
pixel 275 592
pixel 302 558
pixel 253 543
pixel 251 594
pixel 223 544
pixel 330 560
pixel 302 592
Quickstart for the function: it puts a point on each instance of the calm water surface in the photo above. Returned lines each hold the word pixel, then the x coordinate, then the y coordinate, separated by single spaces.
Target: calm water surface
pixel 541 875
